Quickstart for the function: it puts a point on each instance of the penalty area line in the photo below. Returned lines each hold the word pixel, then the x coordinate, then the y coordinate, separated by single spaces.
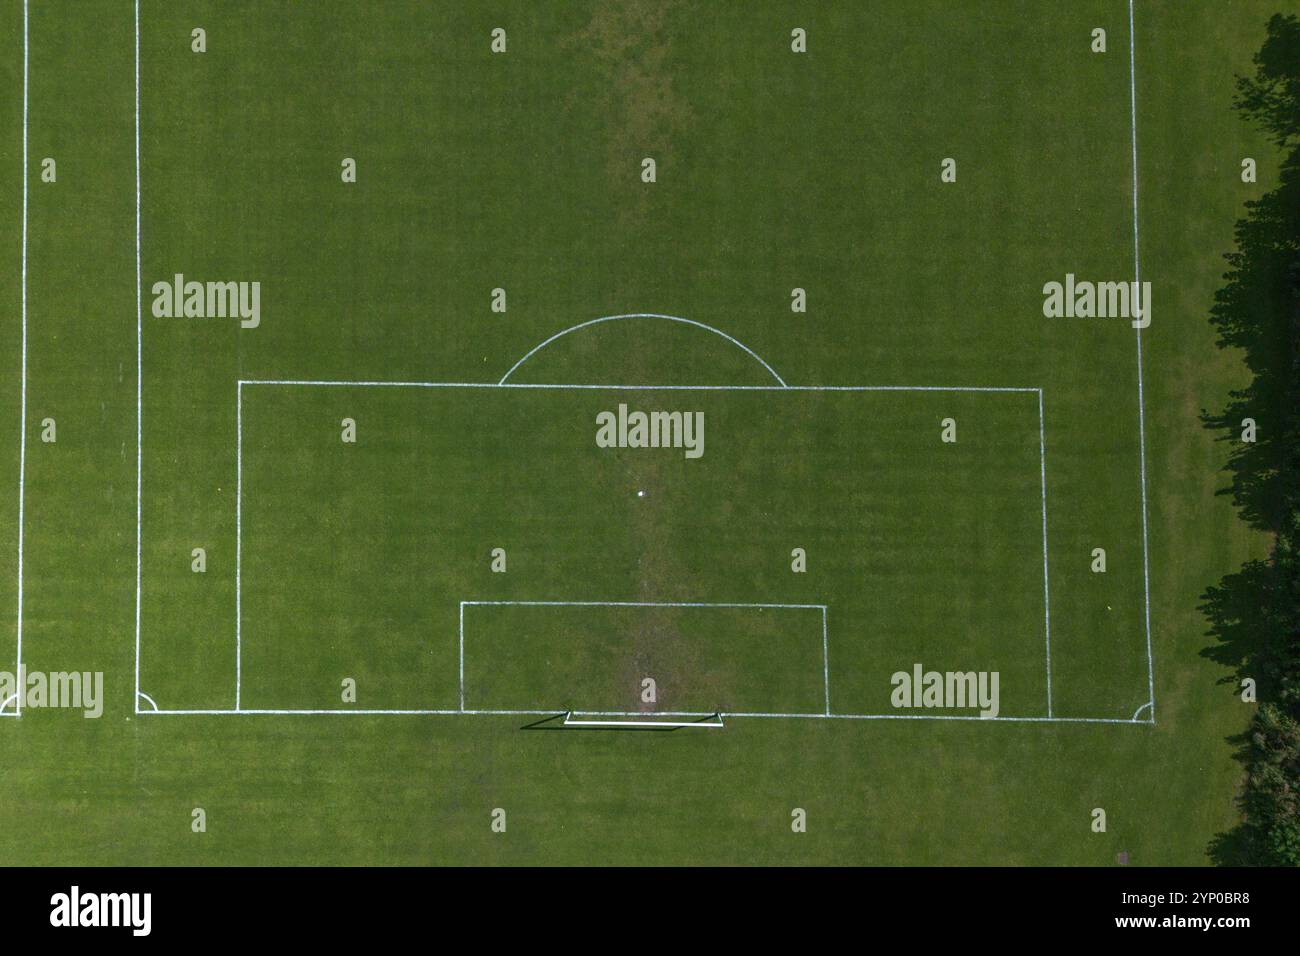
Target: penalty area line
pixel 328 383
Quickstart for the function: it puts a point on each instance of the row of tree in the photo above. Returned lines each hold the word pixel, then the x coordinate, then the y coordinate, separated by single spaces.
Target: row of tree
pixel 1254 613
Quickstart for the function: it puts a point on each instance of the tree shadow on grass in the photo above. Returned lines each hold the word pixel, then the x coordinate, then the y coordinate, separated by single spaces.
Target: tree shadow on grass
pixel 1254 613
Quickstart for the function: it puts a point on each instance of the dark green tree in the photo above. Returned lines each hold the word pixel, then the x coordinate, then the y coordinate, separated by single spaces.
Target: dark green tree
pixel 1255 613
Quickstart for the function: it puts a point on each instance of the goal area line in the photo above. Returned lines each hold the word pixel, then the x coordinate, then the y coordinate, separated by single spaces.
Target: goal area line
pixel 820 609
pixel 578 719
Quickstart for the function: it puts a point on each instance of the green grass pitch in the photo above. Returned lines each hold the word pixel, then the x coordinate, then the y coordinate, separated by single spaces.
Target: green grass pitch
pixel 351 465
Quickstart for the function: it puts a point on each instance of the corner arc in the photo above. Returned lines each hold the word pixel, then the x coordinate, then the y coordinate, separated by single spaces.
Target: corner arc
pixel 644 315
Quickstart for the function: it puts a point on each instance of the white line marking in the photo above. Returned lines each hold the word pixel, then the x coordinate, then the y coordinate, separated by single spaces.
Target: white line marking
pixel 152 703
pixel 22 436
pixel 139 357
pixel 262 712
pixel 691 604
pixel 1140 709
pixel 1047 602
pixel 1142 429
pixel 326 383
pixel 504 384
pixel 808 607
pixel 569 721
pixel 642 315
pixel 724 715
pixel 638 713
pixel 239 538
pixel 826 662
pixel 975 717
pixel 461 626
pixel 15 699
